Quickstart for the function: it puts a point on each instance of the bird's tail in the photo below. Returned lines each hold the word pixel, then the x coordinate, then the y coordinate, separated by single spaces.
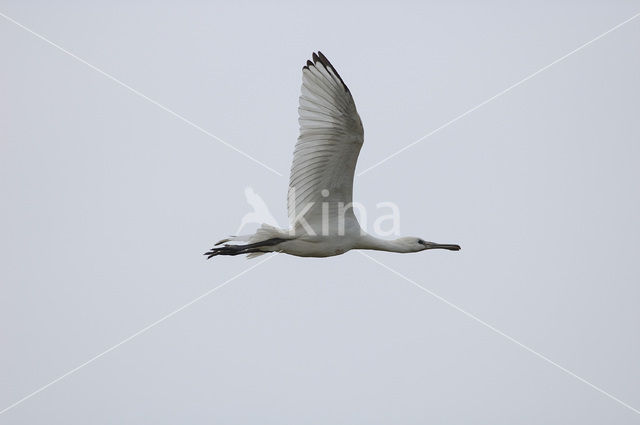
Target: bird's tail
pixel 263 241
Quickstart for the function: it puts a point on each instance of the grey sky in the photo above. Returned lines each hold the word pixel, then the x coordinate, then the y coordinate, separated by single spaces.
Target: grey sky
pixel 109 202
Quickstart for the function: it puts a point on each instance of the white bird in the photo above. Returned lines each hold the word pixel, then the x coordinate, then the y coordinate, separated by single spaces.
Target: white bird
pixel 321 182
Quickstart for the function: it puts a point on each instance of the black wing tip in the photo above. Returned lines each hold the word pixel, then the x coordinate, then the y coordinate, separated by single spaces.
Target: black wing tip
pixel 324 59
pixel 320 57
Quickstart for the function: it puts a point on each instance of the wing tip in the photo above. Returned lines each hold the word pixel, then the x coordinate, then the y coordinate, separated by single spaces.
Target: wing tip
pixel 320 57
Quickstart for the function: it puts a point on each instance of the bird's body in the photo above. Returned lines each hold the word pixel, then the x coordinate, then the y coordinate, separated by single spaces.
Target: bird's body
pixel 317 246
pixel 323 223
pixel 328 246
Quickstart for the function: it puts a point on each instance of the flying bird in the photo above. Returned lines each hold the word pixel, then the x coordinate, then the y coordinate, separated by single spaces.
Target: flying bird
pixel 321 181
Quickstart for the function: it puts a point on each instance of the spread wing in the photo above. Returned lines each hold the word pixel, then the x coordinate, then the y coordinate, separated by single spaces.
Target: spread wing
pixel 326 153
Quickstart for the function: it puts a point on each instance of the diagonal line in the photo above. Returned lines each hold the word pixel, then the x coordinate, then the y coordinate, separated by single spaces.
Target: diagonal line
pixel 136 92
pixel 499 332
pixel 132 336
pixel 508 89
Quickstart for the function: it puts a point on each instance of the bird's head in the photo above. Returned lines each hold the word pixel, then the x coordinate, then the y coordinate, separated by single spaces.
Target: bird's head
pixel 418 244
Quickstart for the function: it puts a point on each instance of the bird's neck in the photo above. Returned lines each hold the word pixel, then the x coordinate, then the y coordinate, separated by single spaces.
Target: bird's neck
pixel 367 241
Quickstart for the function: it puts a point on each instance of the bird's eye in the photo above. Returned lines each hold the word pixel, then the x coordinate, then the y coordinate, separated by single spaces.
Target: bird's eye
pixel 420 241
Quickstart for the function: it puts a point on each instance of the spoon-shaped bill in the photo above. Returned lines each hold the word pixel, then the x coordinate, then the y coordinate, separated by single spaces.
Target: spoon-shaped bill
pixel 450 247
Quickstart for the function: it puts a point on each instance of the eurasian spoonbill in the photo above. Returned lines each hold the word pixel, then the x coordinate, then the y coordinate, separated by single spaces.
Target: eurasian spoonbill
pixel 321 181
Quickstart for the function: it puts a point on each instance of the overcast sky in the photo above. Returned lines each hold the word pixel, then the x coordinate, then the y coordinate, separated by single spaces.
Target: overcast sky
pixel 109 202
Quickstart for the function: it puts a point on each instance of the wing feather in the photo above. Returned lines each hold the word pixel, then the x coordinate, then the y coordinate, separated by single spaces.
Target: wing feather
pixel 331 136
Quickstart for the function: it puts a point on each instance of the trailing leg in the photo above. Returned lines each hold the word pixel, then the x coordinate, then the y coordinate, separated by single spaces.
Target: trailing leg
pixel 228 249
